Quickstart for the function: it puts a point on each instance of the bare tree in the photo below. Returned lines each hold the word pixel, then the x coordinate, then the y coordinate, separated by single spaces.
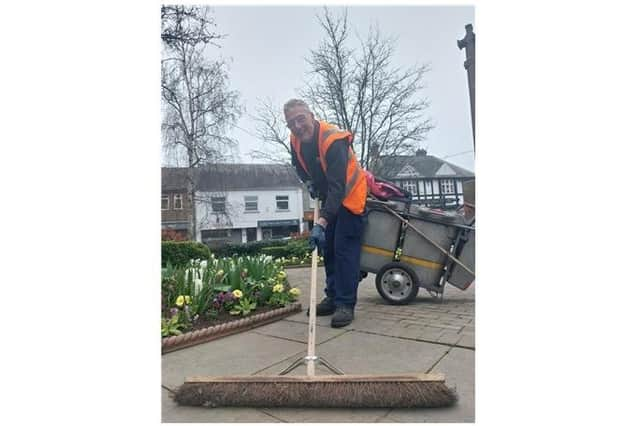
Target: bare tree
pixel 273 132
pixel 198 105
pixel 365 93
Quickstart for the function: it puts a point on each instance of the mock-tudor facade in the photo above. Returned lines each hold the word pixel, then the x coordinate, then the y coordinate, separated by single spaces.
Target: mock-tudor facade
pixel 432 182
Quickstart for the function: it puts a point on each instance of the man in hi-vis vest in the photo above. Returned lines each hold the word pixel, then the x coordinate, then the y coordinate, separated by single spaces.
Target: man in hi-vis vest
pixel 324 159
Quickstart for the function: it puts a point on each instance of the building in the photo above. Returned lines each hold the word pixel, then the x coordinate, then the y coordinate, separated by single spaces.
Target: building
pixel 175 203
pixel 239 203
pixel 432 182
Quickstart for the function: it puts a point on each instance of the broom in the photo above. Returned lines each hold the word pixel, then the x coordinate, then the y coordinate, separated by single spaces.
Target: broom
pixel 340 390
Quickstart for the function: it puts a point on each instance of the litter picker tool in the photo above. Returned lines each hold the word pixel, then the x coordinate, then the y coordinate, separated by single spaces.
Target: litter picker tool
pixel 317 391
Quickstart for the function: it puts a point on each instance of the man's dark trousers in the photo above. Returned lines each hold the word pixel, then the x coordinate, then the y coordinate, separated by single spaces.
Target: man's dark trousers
pixel 342 257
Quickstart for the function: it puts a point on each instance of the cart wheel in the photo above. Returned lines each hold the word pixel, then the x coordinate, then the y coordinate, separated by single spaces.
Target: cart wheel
pixel 397 283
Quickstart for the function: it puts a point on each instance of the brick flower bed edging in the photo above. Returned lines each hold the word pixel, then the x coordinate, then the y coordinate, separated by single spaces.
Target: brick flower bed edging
pixel 185 340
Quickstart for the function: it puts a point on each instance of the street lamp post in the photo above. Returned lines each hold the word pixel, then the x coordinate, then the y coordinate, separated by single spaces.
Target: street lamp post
pixel 469 44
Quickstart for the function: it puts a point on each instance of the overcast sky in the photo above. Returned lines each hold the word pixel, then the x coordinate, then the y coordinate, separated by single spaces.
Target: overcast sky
pixel 266 47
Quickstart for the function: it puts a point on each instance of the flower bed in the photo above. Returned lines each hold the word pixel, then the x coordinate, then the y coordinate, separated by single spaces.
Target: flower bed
pixel 210 293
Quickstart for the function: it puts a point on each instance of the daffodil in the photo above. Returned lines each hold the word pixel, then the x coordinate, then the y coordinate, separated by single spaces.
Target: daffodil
pixel 237 294
pixel 282 275
pixel 278 288
pixel 187 300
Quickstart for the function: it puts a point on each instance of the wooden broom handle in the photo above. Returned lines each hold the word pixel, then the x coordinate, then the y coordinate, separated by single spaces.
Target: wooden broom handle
pixel 311 346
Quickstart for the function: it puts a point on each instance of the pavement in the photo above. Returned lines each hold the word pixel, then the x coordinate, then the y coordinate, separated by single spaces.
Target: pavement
pixel 424 336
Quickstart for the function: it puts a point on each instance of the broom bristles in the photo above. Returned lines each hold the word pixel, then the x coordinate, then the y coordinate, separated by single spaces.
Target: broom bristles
pixel 317 392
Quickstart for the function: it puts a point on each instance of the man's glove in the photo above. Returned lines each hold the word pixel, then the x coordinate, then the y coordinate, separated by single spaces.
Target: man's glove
pixel 316 238
pixel 312 190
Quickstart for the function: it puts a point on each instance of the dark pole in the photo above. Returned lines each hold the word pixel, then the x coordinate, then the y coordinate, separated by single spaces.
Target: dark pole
pixel 469 44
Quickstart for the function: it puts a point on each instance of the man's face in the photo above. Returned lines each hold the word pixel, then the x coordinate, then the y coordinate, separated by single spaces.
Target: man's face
pixel 300 122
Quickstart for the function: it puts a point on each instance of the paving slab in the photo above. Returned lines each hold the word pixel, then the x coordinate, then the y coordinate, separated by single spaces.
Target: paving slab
pixel 459 367
pixel 467 340
pixel 431 334
pixel 241 354
pixel 173 413
pixel 363 353
pixel 327 415
pixel 449 338
pixel 296 331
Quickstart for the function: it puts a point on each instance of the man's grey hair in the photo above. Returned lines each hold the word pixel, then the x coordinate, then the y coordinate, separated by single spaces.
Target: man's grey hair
pixel 291 103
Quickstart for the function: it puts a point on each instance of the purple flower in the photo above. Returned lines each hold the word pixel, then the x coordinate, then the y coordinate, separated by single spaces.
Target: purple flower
pixel 216 304
pixel 173 311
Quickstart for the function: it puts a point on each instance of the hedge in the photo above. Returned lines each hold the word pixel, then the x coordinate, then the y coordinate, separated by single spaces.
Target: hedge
pixel 276 252
pixel 248 249
pixel 178 253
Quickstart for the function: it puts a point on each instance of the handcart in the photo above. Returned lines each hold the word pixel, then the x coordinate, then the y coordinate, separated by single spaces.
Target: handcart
pixel 409 247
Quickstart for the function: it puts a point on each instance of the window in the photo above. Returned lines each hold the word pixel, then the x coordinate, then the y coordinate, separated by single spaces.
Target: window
pixel 282 202
pixel 447 186
pixel 251 203
pixel 164 202
pixel 177 201
pixel 218 204
pixel 410 186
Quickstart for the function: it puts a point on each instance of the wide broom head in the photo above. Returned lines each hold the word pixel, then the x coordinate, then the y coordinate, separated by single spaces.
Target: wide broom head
pixel 386 391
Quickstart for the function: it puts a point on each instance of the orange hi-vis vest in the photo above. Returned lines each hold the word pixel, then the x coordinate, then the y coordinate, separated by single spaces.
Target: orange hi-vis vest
pixel 355 190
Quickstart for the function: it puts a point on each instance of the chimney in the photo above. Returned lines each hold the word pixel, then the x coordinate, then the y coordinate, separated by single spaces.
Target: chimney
pixel 421 152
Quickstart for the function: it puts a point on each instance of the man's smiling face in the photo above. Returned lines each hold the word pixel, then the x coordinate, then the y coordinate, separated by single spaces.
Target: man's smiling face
pixel 300 122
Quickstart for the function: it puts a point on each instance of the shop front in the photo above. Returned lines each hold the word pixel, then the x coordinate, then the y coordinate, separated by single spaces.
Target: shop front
pixel 277 229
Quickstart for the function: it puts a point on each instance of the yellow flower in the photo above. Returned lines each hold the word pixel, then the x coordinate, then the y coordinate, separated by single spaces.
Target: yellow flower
pixel 282 275
pixel 278 288
pixel 220 273
pixel 237 294
pixel 181 300
pixel 295 292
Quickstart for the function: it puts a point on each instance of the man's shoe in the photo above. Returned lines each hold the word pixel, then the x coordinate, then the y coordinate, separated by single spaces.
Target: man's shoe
pixel 324 308
pixel 342 317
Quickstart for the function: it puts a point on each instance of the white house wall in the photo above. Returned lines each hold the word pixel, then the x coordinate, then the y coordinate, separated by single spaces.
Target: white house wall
pixel 238 218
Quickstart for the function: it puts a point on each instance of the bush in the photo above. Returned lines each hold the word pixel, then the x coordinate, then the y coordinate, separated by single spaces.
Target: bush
pixel 248 249
pixel 297 247
pixel 178 253
pixel 276 252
